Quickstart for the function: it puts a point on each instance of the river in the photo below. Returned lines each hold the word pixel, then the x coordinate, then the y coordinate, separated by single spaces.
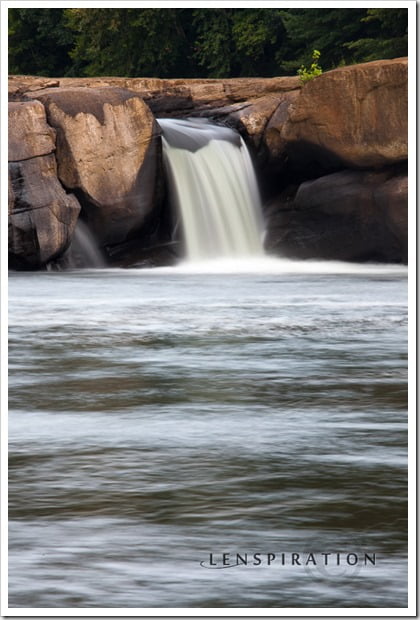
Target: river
pixel 163 421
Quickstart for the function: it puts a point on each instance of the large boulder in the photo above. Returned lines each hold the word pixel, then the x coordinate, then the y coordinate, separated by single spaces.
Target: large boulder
pixel 348 215
pixel 108 154
pixel 29 134
pixel 42 216
pixel 392 200
pixel 355 116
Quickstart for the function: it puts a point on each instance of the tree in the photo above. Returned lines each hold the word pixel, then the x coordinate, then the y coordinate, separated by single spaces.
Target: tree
pixel 326 30
pixel 344 36
pixel 208 42
pixel 39 42
pixel 385 35
pixel 129 42
pixel 237 42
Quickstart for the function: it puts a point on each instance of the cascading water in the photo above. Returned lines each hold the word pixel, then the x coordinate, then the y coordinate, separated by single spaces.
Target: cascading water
pixel 83 251
pixel 213 185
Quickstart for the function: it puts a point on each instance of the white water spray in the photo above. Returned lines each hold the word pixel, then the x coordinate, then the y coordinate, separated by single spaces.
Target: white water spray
pixel 213 185
pixel 84 251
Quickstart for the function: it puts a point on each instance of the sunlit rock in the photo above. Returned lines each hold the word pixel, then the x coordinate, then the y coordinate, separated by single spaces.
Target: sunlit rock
pixel 107 152
pixel 42 215
pixel 354 116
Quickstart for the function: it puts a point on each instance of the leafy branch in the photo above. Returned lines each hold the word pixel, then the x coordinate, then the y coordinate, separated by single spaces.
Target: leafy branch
pixel 313 71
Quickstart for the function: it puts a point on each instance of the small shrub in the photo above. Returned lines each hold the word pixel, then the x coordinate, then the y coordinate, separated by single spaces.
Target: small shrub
pixel 313 71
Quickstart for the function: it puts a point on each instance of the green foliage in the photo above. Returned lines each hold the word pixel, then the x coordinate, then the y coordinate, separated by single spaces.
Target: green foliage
pixel 128 42
pixel 344 36
pixel 207 42
pixel 385 35
pixel 238 42
pixel 39 42
pixel 314 70
pixel 321 29
pixel 213 49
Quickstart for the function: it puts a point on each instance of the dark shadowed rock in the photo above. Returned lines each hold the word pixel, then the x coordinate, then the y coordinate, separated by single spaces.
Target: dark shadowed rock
pixel 42 216
pixel 345 216
pixel 392 198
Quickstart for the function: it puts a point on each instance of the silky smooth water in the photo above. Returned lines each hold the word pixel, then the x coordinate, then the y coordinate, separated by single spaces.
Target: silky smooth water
pixel 84 251
pixel 160 416
pixel 213 186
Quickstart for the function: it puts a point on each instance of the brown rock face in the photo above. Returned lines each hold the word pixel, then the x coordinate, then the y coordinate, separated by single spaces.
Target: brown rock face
pixel 348 215
pixel 354 116
pixel 250 118
pixel 254 116
pixel 107 153
pixel 29 135
pixel 178 94
pixel 273 139
pixel 246 103
pixel 41 215
pixel 103 136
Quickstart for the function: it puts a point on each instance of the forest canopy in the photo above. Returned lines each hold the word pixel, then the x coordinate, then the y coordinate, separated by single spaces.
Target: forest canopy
pixel 188 43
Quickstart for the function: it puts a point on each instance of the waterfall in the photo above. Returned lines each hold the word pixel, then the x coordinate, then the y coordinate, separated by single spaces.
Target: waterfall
pixel 213 185
pixel 83 250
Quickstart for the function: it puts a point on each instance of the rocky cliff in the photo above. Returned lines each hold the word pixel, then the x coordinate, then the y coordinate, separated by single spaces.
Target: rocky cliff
pixel 331 159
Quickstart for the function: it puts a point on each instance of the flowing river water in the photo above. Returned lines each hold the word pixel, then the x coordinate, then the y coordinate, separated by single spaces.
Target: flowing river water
pixel 160 420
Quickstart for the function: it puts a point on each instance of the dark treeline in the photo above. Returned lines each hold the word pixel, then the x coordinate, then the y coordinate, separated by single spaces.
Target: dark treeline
pixel 187 43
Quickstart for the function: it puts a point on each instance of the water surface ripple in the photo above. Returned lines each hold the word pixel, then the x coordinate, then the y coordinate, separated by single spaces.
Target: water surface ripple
pixel 160 416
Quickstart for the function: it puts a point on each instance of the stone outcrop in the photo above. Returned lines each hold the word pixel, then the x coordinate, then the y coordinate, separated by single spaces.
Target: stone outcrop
pixel 349 215
pixel 167 94
pixel 330 155
pixel 272 137
pixel 42 216
pixel 354 116
pixel 29 134
pixel 247 101
pixel 107 152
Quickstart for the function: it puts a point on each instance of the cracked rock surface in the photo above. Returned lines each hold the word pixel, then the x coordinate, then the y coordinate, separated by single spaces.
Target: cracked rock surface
pixel 42 215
